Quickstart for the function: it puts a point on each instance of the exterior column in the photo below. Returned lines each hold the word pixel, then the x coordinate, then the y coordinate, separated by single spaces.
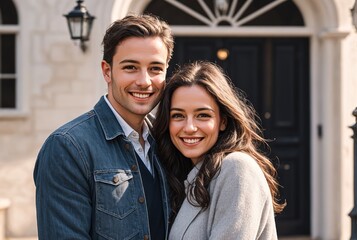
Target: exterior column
pixel 327 194
pixel 4 205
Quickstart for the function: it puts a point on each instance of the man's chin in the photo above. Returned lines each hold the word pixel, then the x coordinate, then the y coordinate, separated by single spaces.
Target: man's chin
pixel 143 112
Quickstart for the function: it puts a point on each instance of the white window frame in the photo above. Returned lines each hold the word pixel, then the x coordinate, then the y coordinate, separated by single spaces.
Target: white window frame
pixel 19 110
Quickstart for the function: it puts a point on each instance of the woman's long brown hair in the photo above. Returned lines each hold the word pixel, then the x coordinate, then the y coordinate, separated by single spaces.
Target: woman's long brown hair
pixel 242 133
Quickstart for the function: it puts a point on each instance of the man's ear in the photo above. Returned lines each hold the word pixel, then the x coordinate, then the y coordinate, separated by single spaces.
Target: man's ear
pixel 107 71
pixel 223 123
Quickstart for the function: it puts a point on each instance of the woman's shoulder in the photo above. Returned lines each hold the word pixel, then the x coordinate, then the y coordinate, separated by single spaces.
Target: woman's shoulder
pixel 240 171
pixel 240 160
pixel 241 165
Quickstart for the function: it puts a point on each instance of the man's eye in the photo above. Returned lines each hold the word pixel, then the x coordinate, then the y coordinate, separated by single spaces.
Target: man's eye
pixel 129 67
pixel 157 69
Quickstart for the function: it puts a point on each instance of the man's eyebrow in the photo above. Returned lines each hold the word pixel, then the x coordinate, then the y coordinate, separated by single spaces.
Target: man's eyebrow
pixel 158 63
pixel 128 61
pixel 137 62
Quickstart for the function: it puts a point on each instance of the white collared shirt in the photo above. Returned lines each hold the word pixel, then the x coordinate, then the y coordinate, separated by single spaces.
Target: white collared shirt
pixel 133 136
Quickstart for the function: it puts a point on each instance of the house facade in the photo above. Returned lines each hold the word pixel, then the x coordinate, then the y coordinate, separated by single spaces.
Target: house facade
pixel 294 59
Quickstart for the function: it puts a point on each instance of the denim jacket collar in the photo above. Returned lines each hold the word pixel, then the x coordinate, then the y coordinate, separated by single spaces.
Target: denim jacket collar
pixel 110 124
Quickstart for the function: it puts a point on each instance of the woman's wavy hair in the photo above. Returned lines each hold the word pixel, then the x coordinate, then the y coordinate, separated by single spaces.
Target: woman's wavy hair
pixel 242 133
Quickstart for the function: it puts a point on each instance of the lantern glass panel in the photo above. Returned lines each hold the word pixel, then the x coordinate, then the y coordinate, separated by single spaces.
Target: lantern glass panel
pixel 86 27
pixel 75 26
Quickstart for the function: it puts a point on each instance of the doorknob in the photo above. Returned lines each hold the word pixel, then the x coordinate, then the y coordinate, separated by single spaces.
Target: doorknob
pixel 267 115
pixel 286 166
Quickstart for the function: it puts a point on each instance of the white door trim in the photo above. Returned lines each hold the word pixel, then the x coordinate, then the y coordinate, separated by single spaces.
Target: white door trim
pixel 326 33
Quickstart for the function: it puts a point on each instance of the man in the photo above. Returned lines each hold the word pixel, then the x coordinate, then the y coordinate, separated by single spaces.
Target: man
pixel 98 177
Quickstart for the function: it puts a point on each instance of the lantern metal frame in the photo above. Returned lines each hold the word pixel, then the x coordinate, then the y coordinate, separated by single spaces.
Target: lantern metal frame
pixel 354 14
pixel 80 24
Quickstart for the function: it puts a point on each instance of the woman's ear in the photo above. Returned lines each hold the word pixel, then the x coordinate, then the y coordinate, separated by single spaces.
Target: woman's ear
pixel 223 124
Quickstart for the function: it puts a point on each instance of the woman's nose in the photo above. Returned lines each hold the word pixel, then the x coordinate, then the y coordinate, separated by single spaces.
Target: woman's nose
pixel 190 126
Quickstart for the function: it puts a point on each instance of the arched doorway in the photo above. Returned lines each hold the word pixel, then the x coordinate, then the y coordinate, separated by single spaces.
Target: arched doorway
pixel 272 71
pixel 325 33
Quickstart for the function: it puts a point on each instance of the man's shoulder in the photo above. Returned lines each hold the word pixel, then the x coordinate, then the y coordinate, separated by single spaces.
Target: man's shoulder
pixel 81 121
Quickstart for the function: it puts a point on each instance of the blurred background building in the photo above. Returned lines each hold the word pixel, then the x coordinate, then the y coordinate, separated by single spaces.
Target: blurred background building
pixel 294 59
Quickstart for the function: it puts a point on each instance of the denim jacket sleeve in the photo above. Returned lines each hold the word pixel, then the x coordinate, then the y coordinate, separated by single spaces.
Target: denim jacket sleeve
pixel 62 190
pixel 88 184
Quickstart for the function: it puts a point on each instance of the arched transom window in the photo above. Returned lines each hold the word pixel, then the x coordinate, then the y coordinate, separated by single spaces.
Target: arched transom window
pixel 235 13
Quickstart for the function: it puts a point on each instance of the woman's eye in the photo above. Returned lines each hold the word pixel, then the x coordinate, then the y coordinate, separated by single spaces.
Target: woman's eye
pixel 176 115
pixel 203 115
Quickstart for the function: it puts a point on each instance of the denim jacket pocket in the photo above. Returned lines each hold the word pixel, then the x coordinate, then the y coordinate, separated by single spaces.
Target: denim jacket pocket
pixel 115 192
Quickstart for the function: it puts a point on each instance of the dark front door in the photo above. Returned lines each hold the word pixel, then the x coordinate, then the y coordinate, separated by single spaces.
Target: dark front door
pixel 274 74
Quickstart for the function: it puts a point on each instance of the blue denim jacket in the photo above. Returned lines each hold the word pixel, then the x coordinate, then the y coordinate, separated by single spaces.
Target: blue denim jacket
pixel 88 183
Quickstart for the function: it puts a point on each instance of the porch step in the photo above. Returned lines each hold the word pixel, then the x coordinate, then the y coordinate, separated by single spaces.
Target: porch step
pixel 28 238
pixel 295 238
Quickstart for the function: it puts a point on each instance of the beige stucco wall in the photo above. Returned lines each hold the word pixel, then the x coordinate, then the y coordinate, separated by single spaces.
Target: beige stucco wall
pixel 60 82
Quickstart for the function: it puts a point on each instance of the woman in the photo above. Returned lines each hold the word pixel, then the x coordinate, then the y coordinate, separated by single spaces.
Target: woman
pixel 222 186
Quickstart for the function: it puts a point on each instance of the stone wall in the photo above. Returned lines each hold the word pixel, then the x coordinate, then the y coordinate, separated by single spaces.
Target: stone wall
pixel 58 82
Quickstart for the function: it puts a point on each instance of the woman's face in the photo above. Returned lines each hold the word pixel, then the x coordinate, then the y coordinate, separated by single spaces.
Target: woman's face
pixel 195 121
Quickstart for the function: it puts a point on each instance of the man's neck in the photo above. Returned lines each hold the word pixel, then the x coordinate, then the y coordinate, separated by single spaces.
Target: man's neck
pixel 136 122
pixel 136 125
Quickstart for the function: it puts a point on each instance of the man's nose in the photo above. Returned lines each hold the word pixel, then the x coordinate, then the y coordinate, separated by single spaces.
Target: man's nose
pixel 144 79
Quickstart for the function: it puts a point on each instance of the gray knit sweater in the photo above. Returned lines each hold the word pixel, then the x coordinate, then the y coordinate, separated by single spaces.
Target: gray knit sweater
pixel 240 208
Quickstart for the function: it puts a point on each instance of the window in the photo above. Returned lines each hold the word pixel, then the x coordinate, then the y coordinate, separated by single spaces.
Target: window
pixel 8 76
pixel 227 12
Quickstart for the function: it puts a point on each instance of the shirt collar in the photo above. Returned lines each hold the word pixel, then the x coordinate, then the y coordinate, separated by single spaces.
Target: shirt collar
pixel 125 126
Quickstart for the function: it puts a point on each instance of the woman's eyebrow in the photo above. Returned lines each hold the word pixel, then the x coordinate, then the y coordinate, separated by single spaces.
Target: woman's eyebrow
pixel 196 110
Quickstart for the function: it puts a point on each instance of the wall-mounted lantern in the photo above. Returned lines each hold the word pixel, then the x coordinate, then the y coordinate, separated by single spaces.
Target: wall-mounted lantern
pixel 80 24
pixel 354 14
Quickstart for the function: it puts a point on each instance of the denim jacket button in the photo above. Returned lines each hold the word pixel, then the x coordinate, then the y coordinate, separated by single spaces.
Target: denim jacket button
pixel 134 167
pixel 141 199
pixel 127 146
pixel 146 237
pixel 115 179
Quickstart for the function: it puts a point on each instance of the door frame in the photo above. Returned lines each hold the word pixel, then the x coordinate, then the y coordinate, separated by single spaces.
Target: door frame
pixel 328 172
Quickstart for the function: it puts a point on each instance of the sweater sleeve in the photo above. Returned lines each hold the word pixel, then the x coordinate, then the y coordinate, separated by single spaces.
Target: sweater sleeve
pixel 241 204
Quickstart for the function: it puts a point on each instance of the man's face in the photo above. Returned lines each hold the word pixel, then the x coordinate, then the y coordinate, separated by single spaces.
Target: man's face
pixel 136 78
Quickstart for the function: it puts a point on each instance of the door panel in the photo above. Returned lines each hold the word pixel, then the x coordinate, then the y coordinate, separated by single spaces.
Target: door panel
pixel 289 125
pixel 241 68
pixel 274 74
